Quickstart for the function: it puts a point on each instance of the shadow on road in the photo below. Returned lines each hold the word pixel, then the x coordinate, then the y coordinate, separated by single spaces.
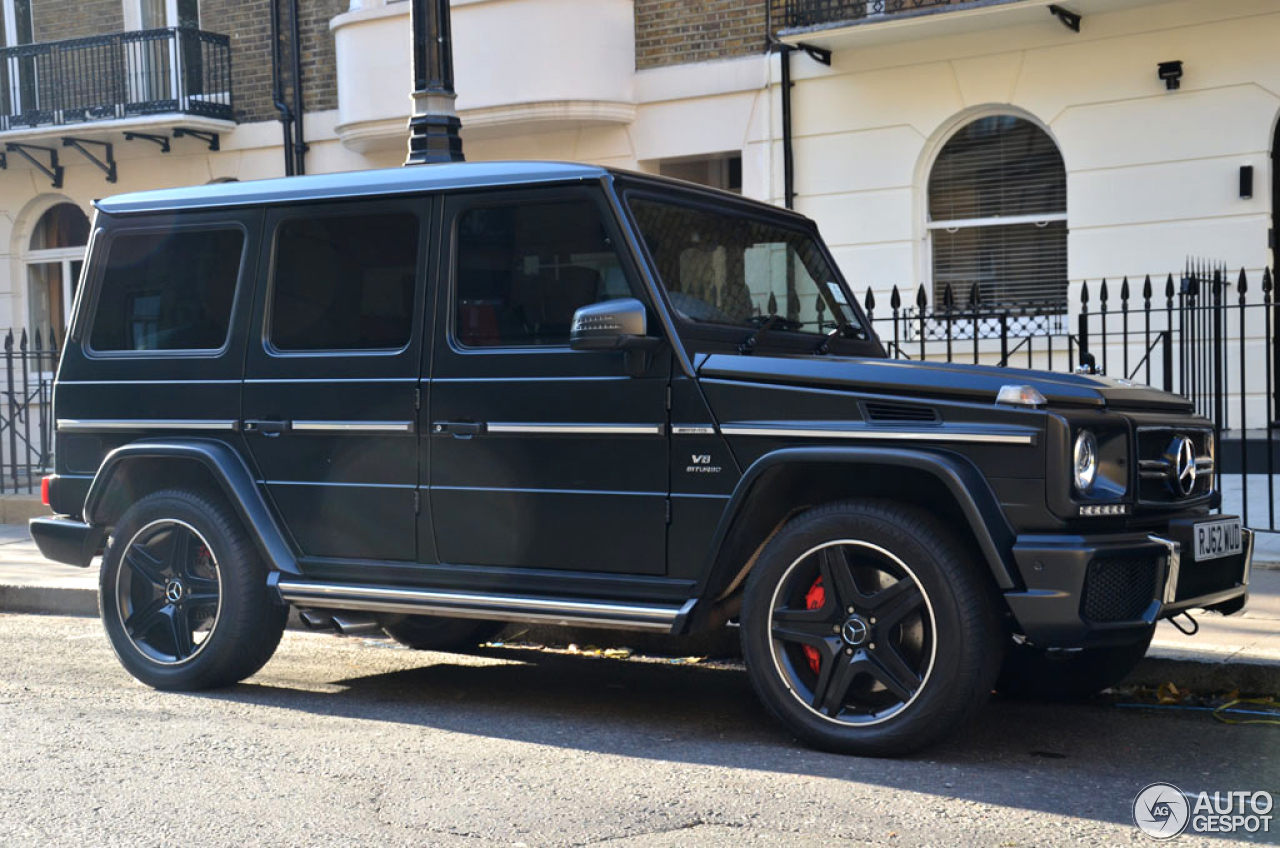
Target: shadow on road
pixel 1084 759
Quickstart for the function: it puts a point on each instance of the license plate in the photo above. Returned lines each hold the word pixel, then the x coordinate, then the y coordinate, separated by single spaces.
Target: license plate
pixel 1217 539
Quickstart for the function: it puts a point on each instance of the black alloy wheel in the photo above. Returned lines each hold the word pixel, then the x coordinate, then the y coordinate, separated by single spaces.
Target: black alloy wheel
pixel 169 592
pixel 854 635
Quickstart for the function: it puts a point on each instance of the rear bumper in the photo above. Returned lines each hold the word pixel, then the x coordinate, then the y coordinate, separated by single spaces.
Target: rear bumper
pixel 66 540
pixel 1087 591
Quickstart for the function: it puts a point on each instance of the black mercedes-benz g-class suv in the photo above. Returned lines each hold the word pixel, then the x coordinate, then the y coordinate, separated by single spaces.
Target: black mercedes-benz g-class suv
pixel 460 395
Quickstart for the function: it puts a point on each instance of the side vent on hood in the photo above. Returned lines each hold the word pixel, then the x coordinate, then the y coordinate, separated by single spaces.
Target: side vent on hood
pixel 900 413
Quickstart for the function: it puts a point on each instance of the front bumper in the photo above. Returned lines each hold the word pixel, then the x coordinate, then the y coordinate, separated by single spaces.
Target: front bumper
pixel 1083 591
pixel 63 539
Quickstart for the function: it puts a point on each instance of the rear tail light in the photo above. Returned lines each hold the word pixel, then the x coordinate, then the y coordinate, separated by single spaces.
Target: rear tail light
pixel 44 490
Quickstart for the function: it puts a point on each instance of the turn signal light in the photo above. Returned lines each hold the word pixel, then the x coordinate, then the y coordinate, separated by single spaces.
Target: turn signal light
pixel 44 490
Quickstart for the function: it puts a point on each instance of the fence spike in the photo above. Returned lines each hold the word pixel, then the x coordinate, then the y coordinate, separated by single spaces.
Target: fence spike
pixel 1242 285
pixel 1124 292
pixel 870 301
pixel 1146 289
pixel 895 299
pixel 922 300
pixel 22 341
pixel 1102 293
pixel 1084 293
pixel 8 340
pixel 1168 287
pixel 39 347
pixel 948 297
pixel 973 294
pixel 773 304
pixel 1266 280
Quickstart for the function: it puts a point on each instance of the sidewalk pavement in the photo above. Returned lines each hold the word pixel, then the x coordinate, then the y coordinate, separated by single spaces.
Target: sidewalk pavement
pixel 1230 652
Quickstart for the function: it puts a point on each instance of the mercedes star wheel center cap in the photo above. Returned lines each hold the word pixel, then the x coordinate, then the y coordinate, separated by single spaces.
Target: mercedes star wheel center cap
pixel 173 591
pixel 855 631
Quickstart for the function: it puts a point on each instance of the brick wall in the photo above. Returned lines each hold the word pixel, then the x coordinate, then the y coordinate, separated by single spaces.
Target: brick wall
pixel 248 22
pixel 670 32
pixel 54 20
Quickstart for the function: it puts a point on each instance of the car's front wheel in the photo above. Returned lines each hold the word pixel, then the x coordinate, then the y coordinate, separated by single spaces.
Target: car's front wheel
pixel 867 630
pixel 183 594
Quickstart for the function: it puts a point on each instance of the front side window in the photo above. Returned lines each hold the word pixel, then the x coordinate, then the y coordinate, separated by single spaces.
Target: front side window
pixel 737 271
pixel 344 282
pixel 168 291
pixel 523 270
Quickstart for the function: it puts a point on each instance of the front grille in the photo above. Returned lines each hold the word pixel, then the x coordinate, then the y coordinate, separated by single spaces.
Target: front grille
pixel 1120 588
pixel 1157 465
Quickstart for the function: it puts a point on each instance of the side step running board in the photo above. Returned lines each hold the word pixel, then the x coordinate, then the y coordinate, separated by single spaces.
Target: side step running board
pixel 655 617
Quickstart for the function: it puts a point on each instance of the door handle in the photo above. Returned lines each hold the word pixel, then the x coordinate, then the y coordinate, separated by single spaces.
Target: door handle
pixel 458 429
pixel 266 426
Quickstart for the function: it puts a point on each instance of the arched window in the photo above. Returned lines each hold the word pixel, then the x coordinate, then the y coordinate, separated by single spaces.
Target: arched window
pixel 53 259
pixel 998 216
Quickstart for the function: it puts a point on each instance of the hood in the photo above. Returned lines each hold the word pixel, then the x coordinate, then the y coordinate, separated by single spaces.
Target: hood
pixel 939 380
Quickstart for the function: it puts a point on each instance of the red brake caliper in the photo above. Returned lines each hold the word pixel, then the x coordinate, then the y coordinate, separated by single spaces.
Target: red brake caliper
pixel 814 599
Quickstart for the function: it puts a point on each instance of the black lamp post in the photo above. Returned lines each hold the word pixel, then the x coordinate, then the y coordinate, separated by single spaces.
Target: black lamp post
pixel 434 127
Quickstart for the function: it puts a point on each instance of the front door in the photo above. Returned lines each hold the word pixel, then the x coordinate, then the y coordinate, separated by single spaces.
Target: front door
pixel 540 456
pixel 331 382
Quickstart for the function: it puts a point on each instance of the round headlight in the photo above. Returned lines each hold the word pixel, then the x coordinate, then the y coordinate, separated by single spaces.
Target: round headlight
pixel 1086 460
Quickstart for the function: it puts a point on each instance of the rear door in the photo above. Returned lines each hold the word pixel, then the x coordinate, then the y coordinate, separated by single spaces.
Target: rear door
pixel 331 378
pixel 540 456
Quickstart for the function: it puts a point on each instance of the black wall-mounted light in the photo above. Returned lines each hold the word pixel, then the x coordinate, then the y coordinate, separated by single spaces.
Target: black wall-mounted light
pixel 1246 182
pixel 1171 73
pixel 1069 19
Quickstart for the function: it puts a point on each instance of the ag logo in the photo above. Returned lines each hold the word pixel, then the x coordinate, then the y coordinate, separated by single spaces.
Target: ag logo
pixel 1161 811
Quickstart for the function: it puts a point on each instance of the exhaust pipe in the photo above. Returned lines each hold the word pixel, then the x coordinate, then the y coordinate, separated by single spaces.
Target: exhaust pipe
pixel 316 620
pixel 355 624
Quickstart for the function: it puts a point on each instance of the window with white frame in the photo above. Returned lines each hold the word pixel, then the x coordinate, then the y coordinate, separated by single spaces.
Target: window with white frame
pixel 997 212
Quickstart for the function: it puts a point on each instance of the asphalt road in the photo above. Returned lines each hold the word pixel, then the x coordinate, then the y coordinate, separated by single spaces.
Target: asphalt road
pixel 355 742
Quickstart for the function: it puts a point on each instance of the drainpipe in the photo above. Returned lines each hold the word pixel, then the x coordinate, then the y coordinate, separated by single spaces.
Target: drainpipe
pixel 818 54
pixel 277 95
pixel 299 139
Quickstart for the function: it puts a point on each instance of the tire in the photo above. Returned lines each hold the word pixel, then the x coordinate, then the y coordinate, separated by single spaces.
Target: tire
pixel 1041 674
pixel 183 594
pixel 914 660
pixel 433 633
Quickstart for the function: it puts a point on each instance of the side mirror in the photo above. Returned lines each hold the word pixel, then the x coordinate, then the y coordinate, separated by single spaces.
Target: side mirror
pixel 620 324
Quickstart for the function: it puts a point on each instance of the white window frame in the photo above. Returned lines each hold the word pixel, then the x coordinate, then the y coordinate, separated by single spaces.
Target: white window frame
pixel 133 13
pixel 11 40
pixel 929 162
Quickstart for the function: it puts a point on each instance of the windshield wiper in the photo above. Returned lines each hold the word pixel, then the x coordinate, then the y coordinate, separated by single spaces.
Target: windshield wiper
pixel 843 330
pixel 764 326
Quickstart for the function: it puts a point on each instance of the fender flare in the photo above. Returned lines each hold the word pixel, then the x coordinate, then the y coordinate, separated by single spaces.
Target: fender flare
pixel 233 476
pixel 961 478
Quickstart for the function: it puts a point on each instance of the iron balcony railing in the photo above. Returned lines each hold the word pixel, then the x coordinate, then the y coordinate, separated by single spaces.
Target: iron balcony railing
pixel 121 75
pixel 807 13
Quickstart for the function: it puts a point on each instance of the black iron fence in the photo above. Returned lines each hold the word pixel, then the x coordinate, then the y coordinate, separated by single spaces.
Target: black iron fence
pixel 805 13
pixel 120 75
pixel 26 410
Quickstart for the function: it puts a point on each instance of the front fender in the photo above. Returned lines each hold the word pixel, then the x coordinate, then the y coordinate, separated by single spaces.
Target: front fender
pixel 225 465
pixel 957 474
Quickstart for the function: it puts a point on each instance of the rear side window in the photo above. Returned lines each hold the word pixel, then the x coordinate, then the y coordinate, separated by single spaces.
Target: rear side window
pixel 168 291
pixel 523 269
pixel 345 282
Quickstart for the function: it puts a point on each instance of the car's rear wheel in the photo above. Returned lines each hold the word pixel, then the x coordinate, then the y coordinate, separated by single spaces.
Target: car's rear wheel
pixel 867 630
pixel 432 633
pixel 183 594
pixel 1058 675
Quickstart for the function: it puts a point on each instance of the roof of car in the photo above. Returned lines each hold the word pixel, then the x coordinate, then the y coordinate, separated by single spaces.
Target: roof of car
pixel 385 182
pixel 350 184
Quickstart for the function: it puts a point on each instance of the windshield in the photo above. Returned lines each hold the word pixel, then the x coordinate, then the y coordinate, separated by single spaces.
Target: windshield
pixel 731 270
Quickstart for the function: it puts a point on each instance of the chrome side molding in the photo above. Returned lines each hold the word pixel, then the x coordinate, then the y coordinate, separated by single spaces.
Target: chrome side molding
pixel 659 618
pixel 940 434
pixel 352 426
pixel 521 427
pixel 92 425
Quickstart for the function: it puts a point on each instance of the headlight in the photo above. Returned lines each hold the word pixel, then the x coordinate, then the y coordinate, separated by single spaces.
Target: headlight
pixel 1085 457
